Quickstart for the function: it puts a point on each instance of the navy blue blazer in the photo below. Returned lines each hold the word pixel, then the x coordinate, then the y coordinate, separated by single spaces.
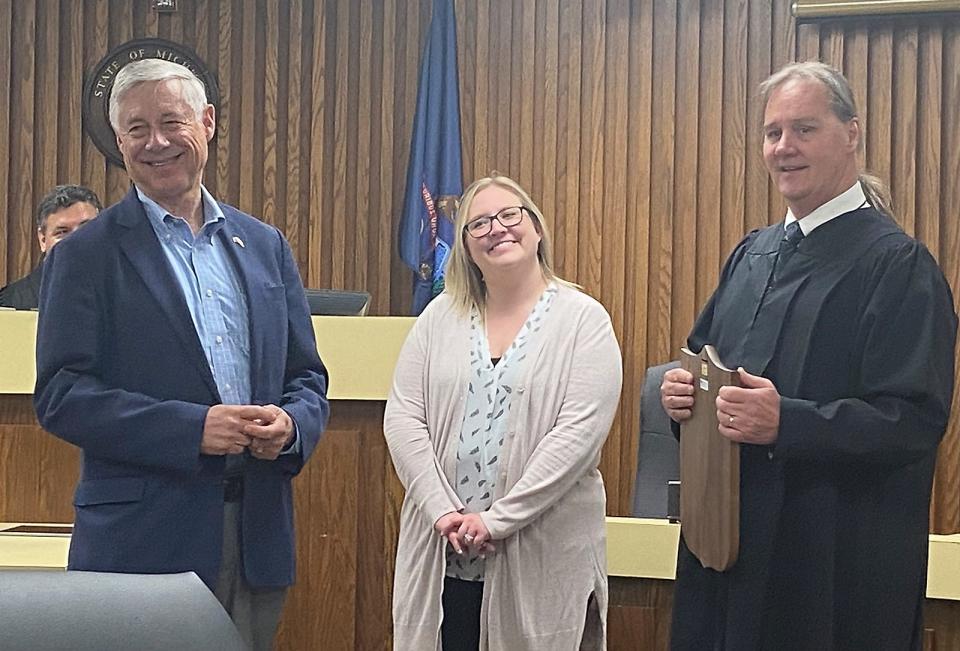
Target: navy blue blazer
pixel 121 374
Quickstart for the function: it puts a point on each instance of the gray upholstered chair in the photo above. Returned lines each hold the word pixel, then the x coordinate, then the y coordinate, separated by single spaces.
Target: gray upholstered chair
pixel 95 611
pixel 337 302
pixel 658 455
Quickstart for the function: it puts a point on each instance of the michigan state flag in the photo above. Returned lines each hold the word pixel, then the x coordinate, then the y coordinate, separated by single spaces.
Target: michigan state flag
pixel 434 178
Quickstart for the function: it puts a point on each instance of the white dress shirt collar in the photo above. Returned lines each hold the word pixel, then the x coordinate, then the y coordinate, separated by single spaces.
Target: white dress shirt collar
pixel 852 199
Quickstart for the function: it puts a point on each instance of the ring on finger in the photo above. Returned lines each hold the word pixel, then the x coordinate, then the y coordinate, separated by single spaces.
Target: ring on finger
pixel 731 420
pixel 468 537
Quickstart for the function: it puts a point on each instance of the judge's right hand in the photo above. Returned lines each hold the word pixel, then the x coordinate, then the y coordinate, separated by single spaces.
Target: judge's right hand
pixel 223 428
pixel 676 394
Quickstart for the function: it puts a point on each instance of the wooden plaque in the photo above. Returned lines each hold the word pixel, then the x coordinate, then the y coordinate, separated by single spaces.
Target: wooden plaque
pixel 709 468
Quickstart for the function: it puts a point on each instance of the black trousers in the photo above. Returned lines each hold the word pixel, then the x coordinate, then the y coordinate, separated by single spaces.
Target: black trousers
pixel 460 629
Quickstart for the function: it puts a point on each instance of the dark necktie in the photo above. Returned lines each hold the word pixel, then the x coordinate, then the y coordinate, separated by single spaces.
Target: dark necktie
pixel 788 246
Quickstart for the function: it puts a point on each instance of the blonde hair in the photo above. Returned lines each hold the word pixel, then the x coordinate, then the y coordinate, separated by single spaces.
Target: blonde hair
pixel 842 105
pixel 463 280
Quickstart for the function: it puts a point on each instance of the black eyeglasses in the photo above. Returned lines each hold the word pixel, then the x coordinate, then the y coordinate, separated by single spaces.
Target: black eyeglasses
pixel 481 226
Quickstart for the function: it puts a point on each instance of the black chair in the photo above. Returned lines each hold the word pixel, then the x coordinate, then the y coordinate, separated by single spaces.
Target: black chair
pixel 658 455
pixel 96 611
pixel 337 302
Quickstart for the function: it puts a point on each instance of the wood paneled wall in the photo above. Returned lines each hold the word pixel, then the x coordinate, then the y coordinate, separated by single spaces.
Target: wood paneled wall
pixel 634 123
pixel 637 126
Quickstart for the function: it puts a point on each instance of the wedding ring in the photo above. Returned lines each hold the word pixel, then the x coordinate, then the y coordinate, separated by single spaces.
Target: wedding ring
pixel 731 420
pixel 468 537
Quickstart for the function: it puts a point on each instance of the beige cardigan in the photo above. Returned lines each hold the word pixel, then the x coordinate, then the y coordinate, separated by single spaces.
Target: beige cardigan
pixel 547 518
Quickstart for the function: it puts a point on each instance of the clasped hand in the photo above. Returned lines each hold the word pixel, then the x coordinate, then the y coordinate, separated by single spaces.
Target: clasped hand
pixel 465 531
pixel 229 429
pixel 749 413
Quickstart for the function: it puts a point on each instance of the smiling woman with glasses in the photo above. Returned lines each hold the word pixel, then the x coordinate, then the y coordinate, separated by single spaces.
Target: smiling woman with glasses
pixel 509 216
pixel 502 398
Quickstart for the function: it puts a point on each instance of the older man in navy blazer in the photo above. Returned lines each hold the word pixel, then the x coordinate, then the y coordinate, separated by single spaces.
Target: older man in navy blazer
pixel 175 348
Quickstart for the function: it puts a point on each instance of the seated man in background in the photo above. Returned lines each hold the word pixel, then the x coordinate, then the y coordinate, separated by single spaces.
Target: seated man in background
pixel 63 210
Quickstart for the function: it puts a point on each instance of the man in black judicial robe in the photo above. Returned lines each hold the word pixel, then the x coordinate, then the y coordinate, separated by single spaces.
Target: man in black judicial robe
pixel 846 338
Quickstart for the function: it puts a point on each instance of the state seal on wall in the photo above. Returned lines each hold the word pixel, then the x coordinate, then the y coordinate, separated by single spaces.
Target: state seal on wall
pixel 99 83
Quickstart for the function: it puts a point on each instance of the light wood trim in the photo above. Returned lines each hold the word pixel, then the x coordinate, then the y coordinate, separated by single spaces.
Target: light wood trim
pixel 636 547
pixel 808 9
pixel 359 352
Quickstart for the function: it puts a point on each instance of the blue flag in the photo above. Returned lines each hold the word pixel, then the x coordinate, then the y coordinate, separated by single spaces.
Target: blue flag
pixel 434 177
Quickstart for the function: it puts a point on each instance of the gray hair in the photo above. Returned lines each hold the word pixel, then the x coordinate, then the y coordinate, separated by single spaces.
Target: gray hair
pixel 64 196
pixel 146 70
pixel 842 104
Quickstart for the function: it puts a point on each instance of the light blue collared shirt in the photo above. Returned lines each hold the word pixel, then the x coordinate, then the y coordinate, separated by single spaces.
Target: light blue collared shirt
pixel 214 293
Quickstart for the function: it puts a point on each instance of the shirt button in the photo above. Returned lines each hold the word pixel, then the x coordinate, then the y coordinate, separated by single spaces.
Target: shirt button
pixel 770 454
pixel 209 293
pixel 226 386
pixel 520 390
pixel 219 339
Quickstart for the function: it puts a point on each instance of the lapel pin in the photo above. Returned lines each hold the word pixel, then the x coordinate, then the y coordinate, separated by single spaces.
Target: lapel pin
pixel 237 240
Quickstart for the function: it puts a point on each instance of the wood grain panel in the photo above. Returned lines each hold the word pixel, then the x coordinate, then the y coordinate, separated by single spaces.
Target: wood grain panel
pixel 93 171
pixel 736 95
pixel 879 103
pixel 545 102
pixel 946 507
pixel 70 91
pixel 47 70
pixel 903 178
pixel 568 145
pixel 637 204
pixel 318 145
pixel 120 29
pixel 634 125
pixel 756 179
pixel 222 45
pixel 364 262
pixel 23 139
pixel 609 204
pixel 335 228
pixel 6 85
pixel 289 206
pixel 521 113
pixel 38 471
pixel 598 253
pixel 639 614
pixel 274 108
pixel 327 545
pixel 709 181
pixel 382 168
pixel 686 232
pixel 929 87
pixel 662 185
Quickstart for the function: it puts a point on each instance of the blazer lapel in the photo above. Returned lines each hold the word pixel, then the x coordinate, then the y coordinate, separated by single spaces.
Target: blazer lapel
pixel 140 245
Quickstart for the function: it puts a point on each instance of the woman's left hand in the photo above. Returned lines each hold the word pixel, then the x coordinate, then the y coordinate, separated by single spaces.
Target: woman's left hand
pixel 474 533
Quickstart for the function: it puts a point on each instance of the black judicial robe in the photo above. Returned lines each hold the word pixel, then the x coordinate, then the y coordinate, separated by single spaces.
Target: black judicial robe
pixel 23 294
pixel 857 333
